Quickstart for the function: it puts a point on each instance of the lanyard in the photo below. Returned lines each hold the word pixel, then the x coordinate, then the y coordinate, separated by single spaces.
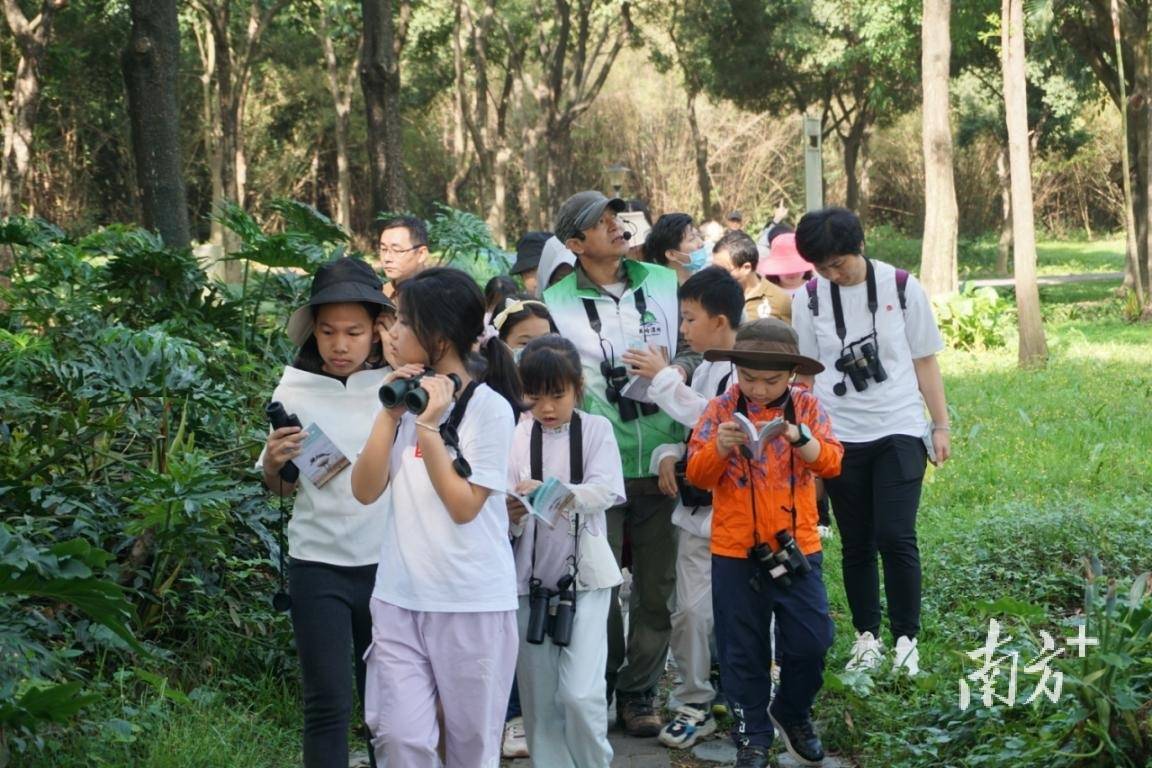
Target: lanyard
pixel 575 475
pixel 789 416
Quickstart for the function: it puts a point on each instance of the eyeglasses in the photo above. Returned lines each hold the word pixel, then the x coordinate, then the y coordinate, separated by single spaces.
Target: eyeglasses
pixel 397 251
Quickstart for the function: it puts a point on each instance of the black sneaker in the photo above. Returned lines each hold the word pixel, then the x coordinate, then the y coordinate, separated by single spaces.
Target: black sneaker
pixel 752 757
pixel 800 740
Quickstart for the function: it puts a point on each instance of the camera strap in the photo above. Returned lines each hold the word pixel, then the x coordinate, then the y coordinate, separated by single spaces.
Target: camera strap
pixel 594 314
pixel 838 309
pixel 790 417
pixel 575 474
pixel 450 430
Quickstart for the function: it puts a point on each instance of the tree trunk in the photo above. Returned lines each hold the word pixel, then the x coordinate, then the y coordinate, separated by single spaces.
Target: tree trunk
pixel 1004 246
pixel 938 254
pixel 19 113
pixel 1033 347
pixel 380 82
pixel 700 145
pixel 340 89
pixel 150 63
pixel 852 143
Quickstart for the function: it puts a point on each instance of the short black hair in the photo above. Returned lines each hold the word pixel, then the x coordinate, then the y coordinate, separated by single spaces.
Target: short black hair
pixel 550 364
pixel 417 229
pixel 497 289
pixel 776 231
pixel 740 247
pixel 828 233
pixel 666 235
pixel 717 292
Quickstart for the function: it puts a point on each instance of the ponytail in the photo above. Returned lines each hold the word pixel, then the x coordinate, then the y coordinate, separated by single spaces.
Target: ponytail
pixel 501 374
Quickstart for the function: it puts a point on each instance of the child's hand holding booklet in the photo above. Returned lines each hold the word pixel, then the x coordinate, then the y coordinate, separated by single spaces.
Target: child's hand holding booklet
pixel 548 501
pixel 758 436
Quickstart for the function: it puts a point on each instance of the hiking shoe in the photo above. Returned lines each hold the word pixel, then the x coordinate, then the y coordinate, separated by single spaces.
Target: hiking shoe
pixel 867 653
pixel 800 740
pixel 752 757
pixel 692 722
pixel 515 743
pixel 907 656
pixel 637 715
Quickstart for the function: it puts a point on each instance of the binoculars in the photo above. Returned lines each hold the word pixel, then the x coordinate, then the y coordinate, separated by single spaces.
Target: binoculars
pixel 544 618
pixel 410 393
pixel 783 564
pixel 860 363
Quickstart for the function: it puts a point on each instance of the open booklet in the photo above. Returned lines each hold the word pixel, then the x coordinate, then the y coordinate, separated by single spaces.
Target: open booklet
pixel 549 501
pixel 758 436
pixel 319 460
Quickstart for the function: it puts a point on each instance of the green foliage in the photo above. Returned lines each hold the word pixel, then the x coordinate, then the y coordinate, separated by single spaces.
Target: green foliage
pixel 464 241
pixel 974 318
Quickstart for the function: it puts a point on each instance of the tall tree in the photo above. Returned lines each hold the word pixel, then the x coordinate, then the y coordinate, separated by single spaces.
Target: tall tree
pixel 341 82
pixel 18 111
pixel 1033 348
pixel 852 62
pixel 151 61
pixel 938 269
pixel 385 33
pixel 1113 36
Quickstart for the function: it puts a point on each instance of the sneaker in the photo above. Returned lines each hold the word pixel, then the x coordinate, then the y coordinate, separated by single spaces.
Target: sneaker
pixel 752 757
pixel 692 722
pixel 825 532
pixel 637 715
pixel 515 743
pixel 867 652
pixel 907 656
pixel 800 740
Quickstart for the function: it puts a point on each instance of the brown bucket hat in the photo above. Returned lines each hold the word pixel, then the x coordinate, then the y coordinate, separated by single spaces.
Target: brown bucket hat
pixel 767 345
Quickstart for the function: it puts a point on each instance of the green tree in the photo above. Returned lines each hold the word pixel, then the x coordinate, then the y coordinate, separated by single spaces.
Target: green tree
pixel 852 61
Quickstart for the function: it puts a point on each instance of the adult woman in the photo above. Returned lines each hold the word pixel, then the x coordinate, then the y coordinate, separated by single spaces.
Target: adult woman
pixel 675 242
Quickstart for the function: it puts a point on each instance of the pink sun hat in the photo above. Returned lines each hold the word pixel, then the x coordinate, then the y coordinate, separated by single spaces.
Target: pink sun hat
pixel 783 258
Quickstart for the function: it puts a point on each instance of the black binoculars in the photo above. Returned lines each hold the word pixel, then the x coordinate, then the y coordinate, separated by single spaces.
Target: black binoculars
pixel 690 495
pixel 783 564
pixel 546 618
pixel 278 418
pixel 410 393
pixel 617 378
pixel 860 362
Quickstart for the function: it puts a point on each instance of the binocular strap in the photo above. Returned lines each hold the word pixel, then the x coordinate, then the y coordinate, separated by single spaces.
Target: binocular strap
pixel 575 477
pixel 790 417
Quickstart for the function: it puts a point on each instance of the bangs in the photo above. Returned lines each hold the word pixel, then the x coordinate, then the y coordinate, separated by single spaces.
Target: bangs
pixel 549 366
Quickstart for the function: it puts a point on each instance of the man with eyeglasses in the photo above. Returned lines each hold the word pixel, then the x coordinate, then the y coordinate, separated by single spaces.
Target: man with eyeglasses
pixel 606 307
pixel 403 250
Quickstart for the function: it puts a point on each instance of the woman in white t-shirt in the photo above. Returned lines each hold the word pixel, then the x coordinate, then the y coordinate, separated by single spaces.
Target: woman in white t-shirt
pixel 334 541
pixel 444 605
pixel 565 569
pixel 871 326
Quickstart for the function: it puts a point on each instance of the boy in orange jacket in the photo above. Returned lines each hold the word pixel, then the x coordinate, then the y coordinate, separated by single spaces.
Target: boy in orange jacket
pixel 766 556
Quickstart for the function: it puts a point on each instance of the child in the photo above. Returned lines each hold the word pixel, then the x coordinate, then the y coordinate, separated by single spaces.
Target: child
pixel 765 509
pixel 444 605
pixel 562 683
pixel 496 291
pixel 520 318
pixel 711 303
pixel 334 541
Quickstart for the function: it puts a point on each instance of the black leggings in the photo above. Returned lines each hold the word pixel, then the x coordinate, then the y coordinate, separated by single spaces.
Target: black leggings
pixel 333 626
pixel 875 500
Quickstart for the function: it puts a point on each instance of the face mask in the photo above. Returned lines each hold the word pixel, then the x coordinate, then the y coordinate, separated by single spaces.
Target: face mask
pixel 516 353
pixel 699 258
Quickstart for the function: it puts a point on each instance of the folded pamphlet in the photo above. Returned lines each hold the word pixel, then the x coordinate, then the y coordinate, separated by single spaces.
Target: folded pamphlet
pixel 549 502
pixel 319 460
pixel 758 436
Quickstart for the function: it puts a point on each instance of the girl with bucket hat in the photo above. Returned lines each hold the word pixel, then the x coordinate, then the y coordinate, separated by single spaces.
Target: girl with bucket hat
pixel 334 540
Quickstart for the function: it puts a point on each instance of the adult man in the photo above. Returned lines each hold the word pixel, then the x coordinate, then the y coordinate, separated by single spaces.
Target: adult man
pixel 871 326
pixel 737 253
pixel 608 305
pixel 528 251
pixel 734 221
pixel 403 250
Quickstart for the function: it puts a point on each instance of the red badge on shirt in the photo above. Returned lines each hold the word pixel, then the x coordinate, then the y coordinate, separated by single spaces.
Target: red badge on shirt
pixel 419 453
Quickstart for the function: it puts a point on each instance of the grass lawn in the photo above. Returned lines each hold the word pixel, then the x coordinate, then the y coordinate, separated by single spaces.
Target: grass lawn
pixel 1049 467
pixel 977 258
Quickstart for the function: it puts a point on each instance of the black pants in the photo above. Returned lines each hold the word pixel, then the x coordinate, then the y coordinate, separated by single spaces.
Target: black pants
pixel 875 500
pixel 744 636
pixel 333 629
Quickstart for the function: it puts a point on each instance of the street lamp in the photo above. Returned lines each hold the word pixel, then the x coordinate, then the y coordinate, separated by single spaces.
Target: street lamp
pixel 616 174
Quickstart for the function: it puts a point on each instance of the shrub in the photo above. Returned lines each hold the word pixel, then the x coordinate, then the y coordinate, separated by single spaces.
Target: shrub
pixel 974 318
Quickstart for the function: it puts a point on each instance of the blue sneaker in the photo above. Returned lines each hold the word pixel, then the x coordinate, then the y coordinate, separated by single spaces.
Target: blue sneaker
pixel 691 723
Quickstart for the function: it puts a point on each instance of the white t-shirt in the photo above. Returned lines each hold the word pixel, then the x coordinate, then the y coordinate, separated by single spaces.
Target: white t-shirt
pixel 328 524
pixel 602 487
pixel 427 561
pixel 891 407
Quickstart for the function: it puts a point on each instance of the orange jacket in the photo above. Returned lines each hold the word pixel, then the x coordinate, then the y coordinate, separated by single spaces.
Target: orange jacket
pixel 727 476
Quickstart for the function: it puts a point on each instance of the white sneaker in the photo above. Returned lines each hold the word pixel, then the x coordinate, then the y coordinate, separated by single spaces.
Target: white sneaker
pixel 867 653
pixel 515 744
pixel 825 532
pixel 907 656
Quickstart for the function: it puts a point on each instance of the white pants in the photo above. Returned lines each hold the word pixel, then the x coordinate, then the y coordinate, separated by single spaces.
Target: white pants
pixel 692 621
pixel 562 690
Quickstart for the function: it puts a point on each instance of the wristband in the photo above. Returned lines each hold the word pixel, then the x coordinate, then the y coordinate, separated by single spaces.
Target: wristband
pixel 428 427
pixel 941 428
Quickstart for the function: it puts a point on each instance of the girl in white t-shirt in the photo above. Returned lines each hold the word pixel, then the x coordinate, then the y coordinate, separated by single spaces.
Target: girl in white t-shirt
pixel 565 571
pixel 444 605
pixel 334 541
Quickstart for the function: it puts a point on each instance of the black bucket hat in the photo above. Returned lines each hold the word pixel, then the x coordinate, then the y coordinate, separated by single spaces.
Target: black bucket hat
pixel 337 282
pixel 528 252
pixel 767 345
